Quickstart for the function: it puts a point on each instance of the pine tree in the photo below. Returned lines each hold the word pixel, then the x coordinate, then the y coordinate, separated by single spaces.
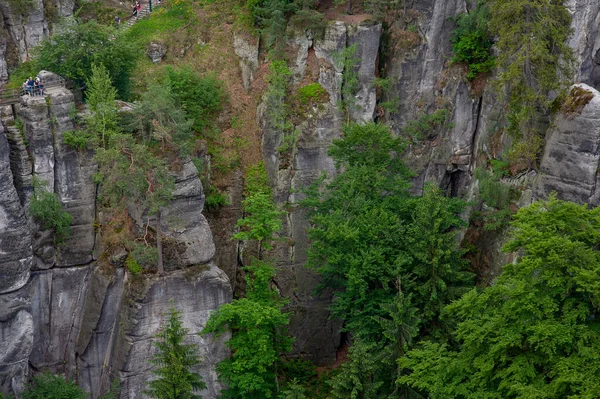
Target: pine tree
pixel 174 361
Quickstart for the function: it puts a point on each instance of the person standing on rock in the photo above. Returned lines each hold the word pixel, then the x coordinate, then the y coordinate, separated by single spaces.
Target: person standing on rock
pixel 117 21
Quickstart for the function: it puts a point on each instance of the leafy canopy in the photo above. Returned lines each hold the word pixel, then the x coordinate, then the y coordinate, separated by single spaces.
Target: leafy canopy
pixel 258 339
pixel 72 52
pixel 47 210
pixel 262 220
pixel 391 258
pixel 533 333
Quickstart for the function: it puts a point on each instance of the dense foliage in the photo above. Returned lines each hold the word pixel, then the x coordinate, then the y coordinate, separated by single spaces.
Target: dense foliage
pixel 201 98
pixel 72 53
pixel 174 360
pixel 392 259
pixel 471 41
pixel 533 333
pixel 534 59
pixel 257 322
pixel 49 386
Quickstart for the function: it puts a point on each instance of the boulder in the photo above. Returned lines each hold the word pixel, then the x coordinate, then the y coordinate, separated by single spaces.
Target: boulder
pixel 156 52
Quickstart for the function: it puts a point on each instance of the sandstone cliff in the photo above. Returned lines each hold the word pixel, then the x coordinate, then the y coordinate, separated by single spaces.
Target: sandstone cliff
pixel 60 310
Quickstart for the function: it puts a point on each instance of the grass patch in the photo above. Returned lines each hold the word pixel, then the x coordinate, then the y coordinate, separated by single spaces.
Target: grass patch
pixel 174 15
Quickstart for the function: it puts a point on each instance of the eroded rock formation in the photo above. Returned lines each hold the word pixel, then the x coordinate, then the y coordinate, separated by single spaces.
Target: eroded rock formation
pixel 61 309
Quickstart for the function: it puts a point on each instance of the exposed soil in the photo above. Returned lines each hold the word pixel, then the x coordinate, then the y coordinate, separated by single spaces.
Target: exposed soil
pixel 337 12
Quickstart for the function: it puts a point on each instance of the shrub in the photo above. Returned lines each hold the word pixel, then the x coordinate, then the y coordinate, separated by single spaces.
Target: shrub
pixel 200 97
pixel 144 256
pixel 72 52
pixel 78 139
pixel 47 211
pixel 278 79
pixel 49 386
pixel 425 126
pixel 312 93
pixel 309 19
pixel 132 265
pixel 215 199
pixel 471 42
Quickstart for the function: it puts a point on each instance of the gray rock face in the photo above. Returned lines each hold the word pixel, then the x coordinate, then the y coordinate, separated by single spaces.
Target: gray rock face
pixel 26 25
pixel 16 330
pixel 330 72
pixel 16 254
pixel 366 37
pixel 72 315
pixel 247 50
pixel 156 52
pixel 585 41
pixel 571 157
pixel 57 296
pixel 184 224
pixel 196 292
pixel 292 170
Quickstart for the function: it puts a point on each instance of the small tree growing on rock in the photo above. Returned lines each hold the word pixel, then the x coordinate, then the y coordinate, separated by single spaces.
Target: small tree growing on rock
pixel 174 361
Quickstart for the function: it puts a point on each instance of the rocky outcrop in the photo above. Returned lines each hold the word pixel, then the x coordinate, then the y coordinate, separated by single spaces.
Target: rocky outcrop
pixel 196 292
pixel 294 166
pixel 247 50
pixel 26 24
pixel 62 310
pixel 184 225
pixel 156 52
pixel 16 254
pixel 571 157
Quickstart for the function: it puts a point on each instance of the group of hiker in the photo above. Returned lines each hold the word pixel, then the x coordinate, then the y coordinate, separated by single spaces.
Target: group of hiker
pixel 33 87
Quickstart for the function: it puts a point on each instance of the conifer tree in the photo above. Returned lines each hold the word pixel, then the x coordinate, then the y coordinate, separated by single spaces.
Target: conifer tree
pixel 174 361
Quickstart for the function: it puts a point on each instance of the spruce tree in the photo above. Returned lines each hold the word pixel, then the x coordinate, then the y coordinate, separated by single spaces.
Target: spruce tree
pixel 174 361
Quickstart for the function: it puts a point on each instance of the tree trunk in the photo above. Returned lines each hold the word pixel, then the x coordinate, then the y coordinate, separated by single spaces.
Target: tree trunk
pixel 159 263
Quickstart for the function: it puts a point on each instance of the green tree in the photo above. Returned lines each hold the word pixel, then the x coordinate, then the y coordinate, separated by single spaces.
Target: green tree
pixel 357 376
pixel 258 337
pixel 201 98
pixel 261 219
pixel 258 325
pixel 50 386
pixel 534 59
pixel 533 333
pixel 101 96
pixel 157 117
pixel 437 273
pixel 471 41
pixel 174 360
pixel 72 52
pixel 392 259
